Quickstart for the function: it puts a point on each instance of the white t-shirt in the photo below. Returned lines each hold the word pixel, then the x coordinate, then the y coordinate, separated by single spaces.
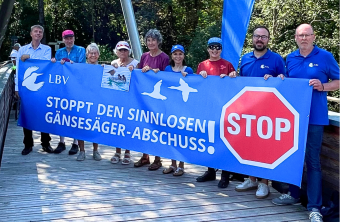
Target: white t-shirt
pixel 134 63
pixel 14 54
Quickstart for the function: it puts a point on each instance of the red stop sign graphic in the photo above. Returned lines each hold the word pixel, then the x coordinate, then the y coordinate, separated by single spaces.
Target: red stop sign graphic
pixel 260 127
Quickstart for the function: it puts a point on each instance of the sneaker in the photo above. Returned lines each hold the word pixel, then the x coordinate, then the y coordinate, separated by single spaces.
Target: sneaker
pixel 60 148
pixel 96 155
pixel 47 149
pixel 207 176
pixel 248 184
pixel 74 149
pixel 26 150
pixel 315 215
pixel 81 156
pixel 285 199
pixel 262 191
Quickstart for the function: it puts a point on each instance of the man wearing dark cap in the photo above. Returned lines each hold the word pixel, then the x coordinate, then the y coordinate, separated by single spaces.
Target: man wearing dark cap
pixel 216 66
pixel 70 53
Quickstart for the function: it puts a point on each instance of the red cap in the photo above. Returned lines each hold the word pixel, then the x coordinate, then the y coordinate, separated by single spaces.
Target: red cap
pixel 68 33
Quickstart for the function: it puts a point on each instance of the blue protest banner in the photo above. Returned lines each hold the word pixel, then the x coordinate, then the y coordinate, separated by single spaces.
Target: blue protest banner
pixel 245 125
pixel 235 20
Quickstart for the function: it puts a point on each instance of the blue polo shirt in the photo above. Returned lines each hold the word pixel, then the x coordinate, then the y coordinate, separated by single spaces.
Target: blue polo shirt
pixel 319 64
pixel 270 63
pixel 77 54
pixel 187 69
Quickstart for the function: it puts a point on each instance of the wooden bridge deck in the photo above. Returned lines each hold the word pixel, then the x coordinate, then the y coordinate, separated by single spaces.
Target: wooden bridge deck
pixel 51 187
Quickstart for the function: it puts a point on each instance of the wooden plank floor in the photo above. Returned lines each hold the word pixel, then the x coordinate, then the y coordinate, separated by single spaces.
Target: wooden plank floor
pixel 51 187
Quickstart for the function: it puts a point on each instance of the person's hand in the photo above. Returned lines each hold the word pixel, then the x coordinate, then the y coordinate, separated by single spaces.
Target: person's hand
pixel 53 60
pixel 281 76
pixel 223 75
pixel 17 94
pixel 62 62
pixel 24 57
pixel 184 74
pixel 155 70
pixel 204 74
pixel 146 68
pixel 130 67
pixel 115 65
pixel 233 74
pixel 267 76
pixel 71 61
pixel 316 83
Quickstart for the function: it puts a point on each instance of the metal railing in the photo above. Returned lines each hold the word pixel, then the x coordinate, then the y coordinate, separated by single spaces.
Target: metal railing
pixel 6 98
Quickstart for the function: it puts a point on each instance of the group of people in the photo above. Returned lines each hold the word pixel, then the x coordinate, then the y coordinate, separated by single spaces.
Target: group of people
pixel 308 61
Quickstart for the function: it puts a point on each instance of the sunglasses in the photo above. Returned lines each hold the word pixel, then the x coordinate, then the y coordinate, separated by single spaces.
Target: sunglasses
pixel 217 47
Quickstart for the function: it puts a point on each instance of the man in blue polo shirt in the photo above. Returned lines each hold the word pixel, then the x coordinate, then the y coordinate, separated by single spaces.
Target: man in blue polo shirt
pixel 70 53
pixel 318 65
pixel 34 50
pixel 260 63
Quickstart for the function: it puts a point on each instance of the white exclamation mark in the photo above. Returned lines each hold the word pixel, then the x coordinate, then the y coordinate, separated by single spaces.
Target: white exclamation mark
pixel 211 135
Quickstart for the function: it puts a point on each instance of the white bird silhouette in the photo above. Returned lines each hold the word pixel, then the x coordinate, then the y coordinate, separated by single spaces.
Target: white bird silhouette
pixel 185 88
pixel 156 91
pixel 30 78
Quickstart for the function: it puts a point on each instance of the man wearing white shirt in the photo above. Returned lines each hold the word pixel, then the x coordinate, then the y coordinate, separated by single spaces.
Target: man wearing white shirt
pixel 14 53
pixel 34 50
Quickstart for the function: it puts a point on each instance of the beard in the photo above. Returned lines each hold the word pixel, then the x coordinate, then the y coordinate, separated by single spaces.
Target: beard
pixel 259 48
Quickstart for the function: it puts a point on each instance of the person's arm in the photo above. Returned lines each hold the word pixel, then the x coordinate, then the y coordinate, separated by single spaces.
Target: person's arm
pixel 329 86
pixel 281 68
pixel 141 63
pixel 165 62
pixel 200 71
pixel 82 57
pixel 332 73
pixel 47 54
pixel 20 51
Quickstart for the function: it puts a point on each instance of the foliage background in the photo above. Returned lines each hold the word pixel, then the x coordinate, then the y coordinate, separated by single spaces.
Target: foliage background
pixel 187 22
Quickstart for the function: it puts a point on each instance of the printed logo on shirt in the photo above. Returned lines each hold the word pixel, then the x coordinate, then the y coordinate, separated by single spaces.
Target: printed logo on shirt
pixel 30 77
pixel 223 67
pixel 264 66
pixel 312 65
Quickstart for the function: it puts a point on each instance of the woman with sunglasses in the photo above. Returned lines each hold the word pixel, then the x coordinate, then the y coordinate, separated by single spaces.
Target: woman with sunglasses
pixel 123 51
pixel 177 65
pixel 216 66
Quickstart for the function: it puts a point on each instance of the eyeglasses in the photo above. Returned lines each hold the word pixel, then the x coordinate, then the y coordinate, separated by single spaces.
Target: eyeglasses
pixel 123 50
pixel 93 53
pixel 217 47
pixel 263 37
pixel 304 36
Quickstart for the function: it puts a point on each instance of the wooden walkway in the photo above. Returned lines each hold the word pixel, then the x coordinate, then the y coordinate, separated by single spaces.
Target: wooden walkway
pixel 51 187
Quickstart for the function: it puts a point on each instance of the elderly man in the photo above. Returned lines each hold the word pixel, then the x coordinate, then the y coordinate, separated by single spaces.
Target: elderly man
pixel 34 50
pixel 70 53
pixel 260 63
pixel 14 53
pixel 318 65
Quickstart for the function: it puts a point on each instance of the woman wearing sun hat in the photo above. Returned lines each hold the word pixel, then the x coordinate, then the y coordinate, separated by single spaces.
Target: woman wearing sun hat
pixel 123 51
